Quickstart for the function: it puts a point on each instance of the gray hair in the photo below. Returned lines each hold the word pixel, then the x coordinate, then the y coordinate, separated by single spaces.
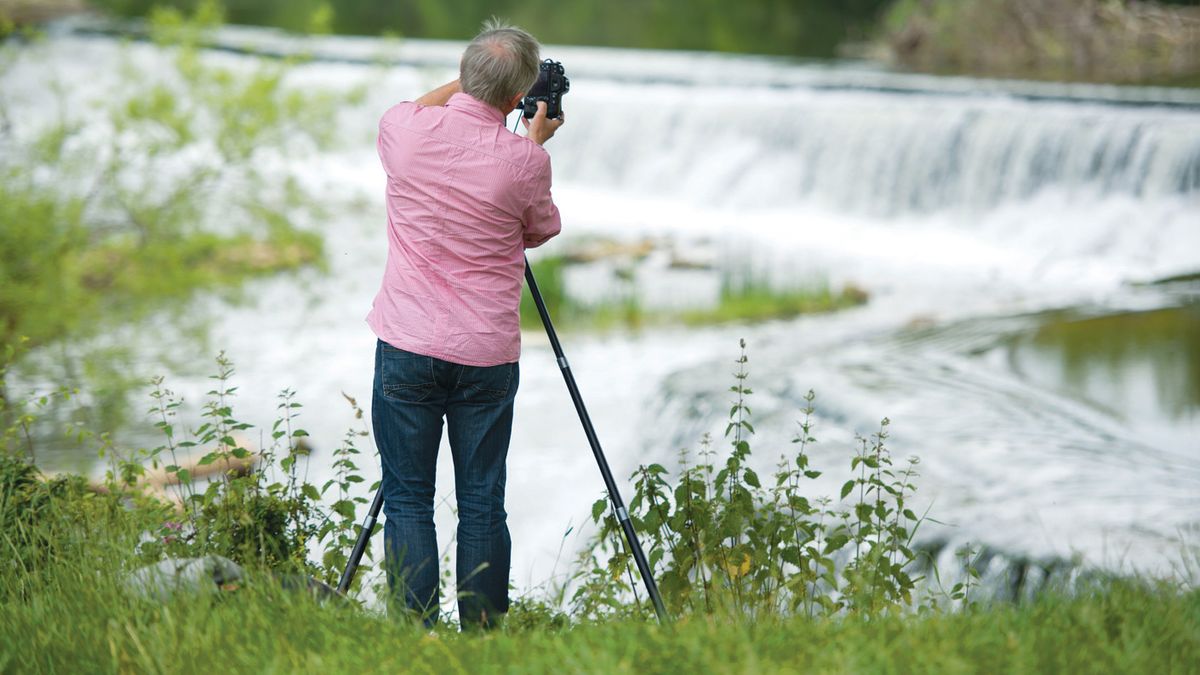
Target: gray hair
pixel 501 62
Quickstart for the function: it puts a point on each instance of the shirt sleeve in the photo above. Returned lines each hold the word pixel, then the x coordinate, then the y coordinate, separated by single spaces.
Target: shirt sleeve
pixel 541 220
pixel 386 143
pixel 383 147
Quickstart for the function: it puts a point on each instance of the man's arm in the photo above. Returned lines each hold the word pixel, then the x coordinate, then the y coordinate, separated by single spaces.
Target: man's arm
pixel 440 95
pixel 541 218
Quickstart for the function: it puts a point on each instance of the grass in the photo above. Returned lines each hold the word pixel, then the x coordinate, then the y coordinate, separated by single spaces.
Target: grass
pixel 744 298
pixel 760 302
pixel 76 621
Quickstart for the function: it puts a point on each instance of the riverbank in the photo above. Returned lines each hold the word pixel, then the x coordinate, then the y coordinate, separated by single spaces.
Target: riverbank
pixel 1136 42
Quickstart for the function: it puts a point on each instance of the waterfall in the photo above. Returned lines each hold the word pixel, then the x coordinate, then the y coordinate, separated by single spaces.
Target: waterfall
pixel 877 154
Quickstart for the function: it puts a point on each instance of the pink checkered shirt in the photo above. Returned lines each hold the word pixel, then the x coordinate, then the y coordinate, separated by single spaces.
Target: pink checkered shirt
pixel 465 198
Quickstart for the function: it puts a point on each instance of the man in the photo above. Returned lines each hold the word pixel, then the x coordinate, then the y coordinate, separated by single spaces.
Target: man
pixel 465 198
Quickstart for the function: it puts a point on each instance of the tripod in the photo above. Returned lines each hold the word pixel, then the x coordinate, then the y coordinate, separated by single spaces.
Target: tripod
pixel 635 547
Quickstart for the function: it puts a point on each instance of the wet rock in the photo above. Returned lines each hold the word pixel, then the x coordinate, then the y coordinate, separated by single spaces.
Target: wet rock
pixel 208 574
pixel 211 574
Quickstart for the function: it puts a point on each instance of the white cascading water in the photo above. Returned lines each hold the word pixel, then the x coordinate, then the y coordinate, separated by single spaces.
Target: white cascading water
pixel 879 155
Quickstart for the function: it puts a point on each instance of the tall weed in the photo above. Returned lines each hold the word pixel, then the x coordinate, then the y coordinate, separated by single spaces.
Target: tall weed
pixel 257 510
pixel 721 540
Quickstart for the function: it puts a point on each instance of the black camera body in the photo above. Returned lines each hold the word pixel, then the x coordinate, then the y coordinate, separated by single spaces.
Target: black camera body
pixel 551 84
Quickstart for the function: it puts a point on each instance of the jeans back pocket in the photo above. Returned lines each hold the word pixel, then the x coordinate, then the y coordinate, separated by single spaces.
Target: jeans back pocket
pixel 405 376
pixel 488 383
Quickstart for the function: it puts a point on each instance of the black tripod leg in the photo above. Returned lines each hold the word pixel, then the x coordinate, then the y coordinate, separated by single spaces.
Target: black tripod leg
pixel 635 547
pixel 360 546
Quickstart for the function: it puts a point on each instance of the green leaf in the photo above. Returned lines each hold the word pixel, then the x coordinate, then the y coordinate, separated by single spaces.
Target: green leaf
pixel 752 479
pixel 847 488
pixel 344 508
pixel 309 490
pixel 835 543
pixel 863 511
pixel 598 509
pixel 651 522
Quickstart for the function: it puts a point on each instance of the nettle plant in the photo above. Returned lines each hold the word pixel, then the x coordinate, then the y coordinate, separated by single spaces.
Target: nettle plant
pixel 262 510
pixel 721 540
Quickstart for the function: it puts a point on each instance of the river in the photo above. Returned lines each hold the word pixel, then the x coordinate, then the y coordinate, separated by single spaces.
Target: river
pixel 1008 234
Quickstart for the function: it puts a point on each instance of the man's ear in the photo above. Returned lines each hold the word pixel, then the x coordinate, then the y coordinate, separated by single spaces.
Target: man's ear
pixel 516 101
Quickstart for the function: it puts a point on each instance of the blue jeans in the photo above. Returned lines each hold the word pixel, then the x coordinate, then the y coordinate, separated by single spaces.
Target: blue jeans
pixel 412 394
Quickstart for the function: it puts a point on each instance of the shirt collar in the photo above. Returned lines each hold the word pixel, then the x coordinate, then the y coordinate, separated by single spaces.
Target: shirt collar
pixel 475 108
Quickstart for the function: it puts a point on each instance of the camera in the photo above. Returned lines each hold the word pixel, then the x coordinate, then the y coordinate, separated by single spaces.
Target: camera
pixel 551 84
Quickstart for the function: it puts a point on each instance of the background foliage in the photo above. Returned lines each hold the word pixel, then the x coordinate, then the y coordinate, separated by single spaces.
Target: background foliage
pixel 102 228
pixel 1101 40
pixel 812 28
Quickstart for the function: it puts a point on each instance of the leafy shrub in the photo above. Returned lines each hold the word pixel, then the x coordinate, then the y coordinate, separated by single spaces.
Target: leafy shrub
pixel 267 518
pixel 722 541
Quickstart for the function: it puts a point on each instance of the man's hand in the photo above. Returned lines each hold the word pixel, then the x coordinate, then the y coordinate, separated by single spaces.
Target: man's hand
pixel 541 129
